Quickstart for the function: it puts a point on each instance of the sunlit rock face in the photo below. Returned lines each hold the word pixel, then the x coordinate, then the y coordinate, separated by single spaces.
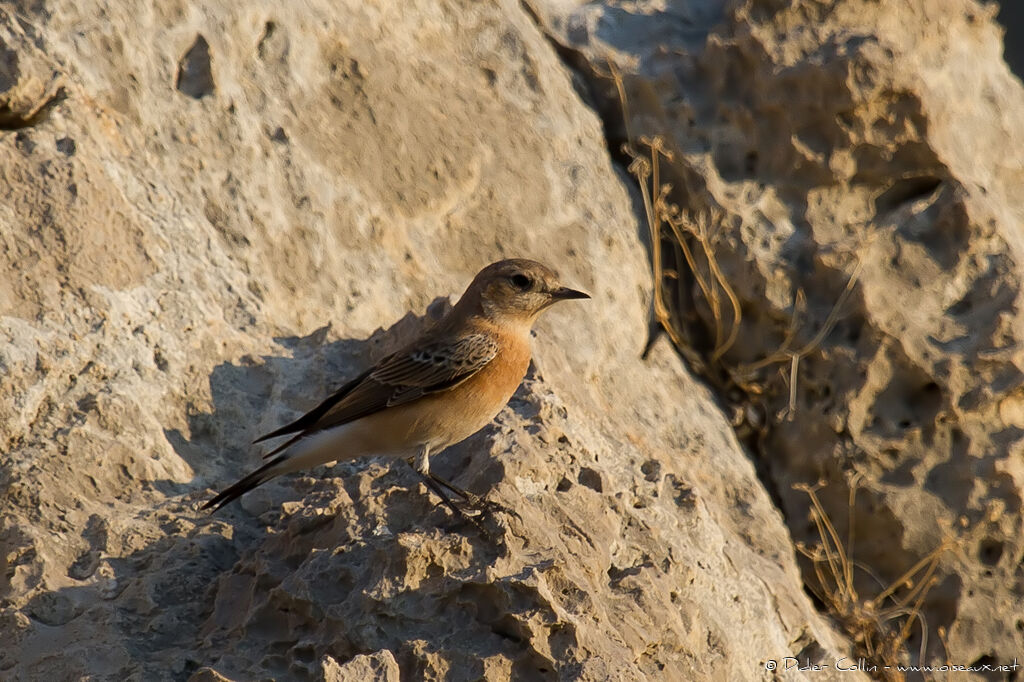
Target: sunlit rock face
pixel 215 214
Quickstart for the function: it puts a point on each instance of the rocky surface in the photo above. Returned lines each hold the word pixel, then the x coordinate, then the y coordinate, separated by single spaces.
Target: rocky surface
pixel 208 209
pixel 824 143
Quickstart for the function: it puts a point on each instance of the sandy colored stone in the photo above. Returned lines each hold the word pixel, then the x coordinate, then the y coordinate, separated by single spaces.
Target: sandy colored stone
pixel 823 140
pixel 206 674
pixel 377 667
pixel 200 242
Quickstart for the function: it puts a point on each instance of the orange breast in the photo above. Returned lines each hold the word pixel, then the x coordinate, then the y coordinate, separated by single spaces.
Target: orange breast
pixel 445 418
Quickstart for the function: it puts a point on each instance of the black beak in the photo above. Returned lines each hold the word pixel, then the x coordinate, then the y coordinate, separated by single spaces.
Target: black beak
pixel 565 293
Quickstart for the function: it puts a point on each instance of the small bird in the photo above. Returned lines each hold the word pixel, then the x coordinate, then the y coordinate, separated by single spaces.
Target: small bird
pixel 436 391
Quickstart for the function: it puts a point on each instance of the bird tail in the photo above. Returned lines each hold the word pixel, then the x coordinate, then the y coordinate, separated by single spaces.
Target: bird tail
pixel 256 478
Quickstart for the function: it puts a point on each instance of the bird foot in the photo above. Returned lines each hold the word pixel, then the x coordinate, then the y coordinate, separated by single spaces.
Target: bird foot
pixel 471 502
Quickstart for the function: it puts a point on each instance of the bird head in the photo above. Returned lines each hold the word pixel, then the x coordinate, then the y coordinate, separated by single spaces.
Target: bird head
pixel 516 290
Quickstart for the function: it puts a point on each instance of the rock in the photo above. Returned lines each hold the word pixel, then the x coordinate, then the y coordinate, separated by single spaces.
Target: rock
pixel 834 146
pixel 206 674
pixel 378 667
pixel 199 243
pixel 29 80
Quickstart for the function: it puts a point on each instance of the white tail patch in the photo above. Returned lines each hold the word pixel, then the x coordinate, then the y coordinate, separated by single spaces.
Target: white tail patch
pixel 340 443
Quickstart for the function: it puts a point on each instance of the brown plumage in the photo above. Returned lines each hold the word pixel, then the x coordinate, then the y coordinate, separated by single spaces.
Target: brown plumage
pixel 436 391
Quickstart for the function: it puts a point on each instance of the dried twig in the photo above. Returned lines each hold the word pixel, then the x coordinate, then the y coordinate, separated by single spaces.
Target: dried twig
pixel 867 620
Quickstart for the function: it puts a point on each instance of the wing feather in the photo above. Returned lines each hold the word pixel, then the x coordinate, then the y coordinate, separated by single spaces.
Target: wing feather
pixel 307 420
pixel 400 378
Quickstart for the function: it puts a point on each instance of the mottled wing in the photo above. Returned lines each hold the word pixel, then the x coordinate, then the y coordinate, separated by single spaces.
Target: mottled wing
pixel 399 378
pixel 434 367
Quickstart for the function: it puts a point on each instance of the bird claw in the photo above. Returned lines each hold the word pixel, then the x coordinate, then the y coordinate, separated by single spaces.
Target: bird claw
pixel 471 501
pixel 488 507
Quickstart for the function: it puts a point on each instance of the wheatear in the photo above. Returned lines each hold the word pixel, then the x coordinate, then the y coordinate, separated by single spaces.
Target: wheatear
pixel 441 388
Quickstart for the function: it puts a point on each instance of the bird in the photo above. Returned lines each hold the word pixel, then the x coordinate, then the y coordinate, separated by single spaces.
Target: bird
pixel 434 392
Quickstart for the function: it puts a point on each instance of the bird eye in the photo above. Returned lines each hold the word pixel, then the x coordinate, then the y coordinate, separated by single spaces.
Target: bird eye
pixel 521 281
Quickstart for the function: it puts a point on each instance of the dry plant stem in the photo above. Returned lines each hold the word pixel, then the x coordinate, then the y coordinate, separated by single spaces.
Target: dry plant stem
pixel 659 211
pixel 676 226
pixel 655 213
pixel 931 560
pixel 869 572
pixel 799 310
pixel 832 545
pixel 833 315
pixel 718 281
pixel 620 87
pixel 943 637
pixel 794 373
pixel 866 620
pixel 916 614
pixel 783 352
pixel 851 504
pixel 795 356
pixel 737 313
pixel 711 294
pixel 681 284
pixel 641 170
pixel 912 615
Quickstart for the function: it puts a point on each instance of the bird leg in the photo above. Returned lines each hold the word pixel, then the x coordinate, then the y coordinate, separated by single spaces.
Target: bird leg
pixel 447 501
pixel 472 500
pixel 421 463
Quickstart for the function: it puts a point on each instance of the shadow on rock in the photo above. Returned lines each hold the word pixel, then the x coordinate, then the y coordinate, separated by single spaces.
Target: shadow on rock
pixel 258 394
pixel 333 562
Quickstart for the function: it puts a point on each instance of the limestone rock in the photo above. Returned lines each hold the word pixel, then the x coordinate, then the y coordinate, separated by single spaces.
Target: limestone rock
pixel 820 143
pixel 378 667
pixel 206 674
pixel 197 243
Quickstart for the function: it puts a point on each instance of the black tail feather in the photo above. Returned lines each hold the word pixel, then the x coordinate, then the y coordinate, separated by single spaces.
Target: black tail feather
pixel 283 445
pixel 256 478
pixel 308 420
pixel 284 430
